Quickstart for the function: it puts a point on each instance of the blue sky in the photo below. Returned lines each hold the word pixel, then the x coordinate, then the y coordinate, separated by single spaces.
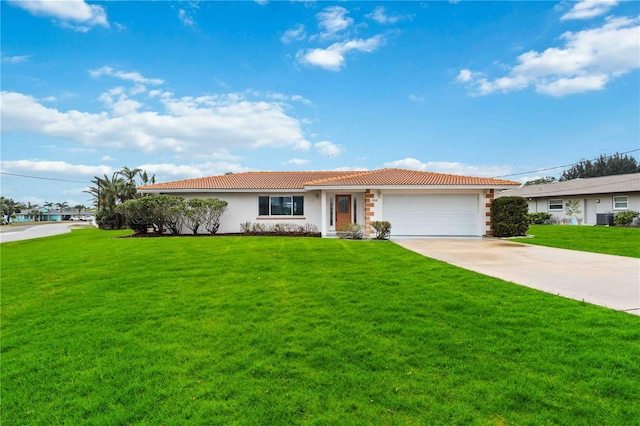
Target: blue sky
pixel 189 89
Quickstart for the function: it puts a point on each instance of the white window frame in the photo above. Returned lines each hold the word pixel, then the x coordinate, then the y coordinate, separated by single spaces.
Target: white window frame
pixel 626 202
pixel 555 203
pixel 293 213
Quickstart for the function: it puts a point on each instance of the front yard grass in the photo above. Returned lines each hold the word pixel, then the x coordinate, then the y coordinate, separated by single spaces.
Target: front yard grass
pixel 285 331
pixel 618 240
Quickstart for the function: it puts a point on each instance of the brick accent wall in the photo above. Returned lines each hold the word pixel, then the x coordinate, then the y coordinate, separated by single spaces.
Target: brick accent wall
pixel 368 214
pixel 489 199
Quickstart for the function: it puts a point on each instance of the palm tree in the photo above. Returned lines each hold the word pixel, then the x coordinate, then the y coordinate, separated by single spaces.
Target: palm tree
pixel 146 180
pixel 129 174
pixel 8 208
pixel 80 208
pixel 47 205
pixel 62 207
pixel 35 213
pixel 107 193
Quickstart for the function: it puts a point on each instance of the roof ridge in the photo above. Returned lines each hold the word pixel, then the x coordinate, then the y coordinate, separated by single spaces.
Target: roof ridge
pixel 347 176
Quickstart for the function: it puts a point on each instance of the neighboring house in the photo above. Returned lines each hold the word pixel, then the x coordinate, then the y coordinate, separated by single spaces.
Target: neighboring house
pixel 416 203
pixel 26 215
pixel 598 196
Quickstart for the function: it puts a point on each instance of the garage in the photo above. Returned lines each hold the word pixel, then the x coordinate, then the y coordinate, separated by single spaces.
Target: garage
pixel 432 215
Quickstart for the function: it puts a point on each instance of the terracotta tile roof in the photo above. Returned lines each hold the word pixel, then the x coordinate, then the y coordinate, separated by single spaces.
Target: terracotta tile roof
pixel 401 177
pixel 248 180
pixel 300 180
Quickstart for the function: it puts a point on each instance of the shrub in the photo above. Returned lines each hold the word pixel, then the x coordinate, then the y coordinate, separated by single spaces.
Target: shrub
pixel 509 217
pixel 156 211
pixel 280 229
pixel 539 218
pixel 625 218
pixel 382 229
pixel 351 231
pixel 215 209
pixel 195 213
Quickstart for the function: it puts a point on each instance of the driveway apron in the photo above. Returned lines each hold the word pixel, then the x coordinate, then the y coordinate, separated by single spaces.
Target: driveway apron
pixel 600 279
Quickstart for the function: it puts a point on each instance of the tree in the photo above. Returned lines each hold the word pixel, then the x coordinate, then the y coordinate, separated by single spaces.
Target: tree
pixel 62 206
pixel 109 192
pixel 79 207
pixel 129 174
pixel 9 208
pixel 35 213
pixel 616 164
pixel 542 180
pixel 48 206
pixel 195 214
pixel 215 209
pixel 157 211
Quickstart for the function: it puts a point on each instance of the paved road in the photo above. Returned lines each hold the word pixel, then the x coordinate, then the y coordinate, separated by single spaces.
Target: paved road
pixel 27 232
pixel 600 279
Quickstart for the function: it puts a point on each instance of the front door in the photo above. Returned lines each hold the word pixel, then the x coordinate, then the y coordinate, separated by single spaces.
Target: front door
pixel 343 210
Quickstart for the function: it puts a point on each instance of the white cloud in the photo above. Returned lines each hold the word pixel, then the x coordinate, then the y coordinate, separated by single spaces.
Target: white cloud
pixel 333 20
pixel 586 9
pixel 74 14
pixel 107 158
pixel 380 15
pixel 464 76
pixel 296 162
pixel 262 2
pixel 62 167
pixel 15 59
pixel 185 18
pixel 328 149
pixel 568 86
pixel 587 61
pixel 449 167
pixel 418 99
pixel 187 125
pixel 129 76
pixel 332 58
pixel 295 33
pixel 169 171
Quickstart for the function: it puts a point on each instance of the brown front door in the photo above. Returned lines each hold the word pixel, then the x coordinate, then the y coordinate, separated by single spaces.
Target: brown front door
pixel 343 210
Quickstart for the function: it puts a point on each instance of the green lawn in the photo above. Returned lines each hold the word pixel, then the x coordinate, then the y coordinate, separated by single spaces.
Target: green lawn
pixel 616 240
pixel 285 331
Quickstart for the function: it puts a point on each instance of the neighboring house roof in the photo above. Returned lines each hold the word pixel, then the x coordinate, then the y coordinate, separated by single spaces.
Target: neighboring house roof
pixel 597 185
pixel 322 179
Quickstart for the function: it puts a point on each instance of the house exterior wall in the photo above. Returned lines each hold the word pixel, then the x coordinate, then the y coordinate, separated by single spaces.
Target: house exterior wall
pixel 590 206
pixel 318 207
pixel 243 207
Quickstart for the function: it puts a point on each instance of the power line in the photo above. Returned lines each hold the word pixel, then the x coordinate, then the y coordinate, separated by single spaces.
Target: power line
pixel 43 178
pixel 566 165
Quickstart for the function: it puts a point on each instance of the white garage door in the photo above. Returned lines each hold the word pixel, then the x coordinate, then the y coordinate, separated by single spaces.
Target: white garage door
pixel 437 215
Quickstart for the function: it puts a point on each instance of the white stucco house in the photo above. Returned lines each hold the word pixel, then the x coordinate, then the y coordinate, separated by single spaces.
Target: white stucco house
pixel 416 203
pixel 598 197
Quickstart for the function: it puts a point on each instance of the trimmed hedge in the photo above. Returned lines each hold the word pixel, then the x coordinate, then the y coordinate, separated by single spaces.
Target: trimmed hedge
pixel 509 217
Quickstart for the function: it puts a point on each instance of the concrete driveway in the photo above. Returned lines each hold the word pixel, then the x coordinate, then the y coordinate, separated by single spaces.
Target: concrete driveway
pixel 600 279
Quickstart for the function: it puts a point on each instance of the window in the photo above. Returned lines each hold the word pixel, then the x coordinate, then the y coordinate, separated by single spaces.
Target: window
pixel 331 211
pixel 555 205
pixel 620 203
pixel 355 209
pixel 280 206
